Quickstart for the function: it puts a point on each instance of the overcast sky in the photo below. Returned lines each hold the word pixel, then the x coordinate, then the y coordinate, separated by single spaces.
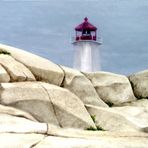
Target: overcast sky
pixel 46 28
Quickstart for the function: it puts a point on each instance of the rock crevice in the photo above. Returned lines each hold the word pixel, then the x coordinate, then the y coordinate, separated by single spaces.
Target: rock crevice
pixel 51 104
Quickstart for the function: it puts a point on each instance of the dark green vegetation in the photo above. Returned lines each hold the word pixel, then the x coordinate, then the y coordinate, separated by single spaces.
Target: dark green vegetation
pixel 5 52
pixel 98 128
pixel 93 118
pixel 95 129
pixel 91 128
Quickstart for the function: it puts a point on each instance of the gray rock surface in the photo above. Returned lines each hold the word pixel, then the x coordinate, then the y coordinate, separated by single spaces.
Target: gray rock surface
pixel 69 109
pixel 43 101
pixel 30 97
pixel 138 103
pixel 15 140
pixel 102 142
pixel 42 69
pixel 136 115
pixel 112 88
pixel 111 120
pixel 139 83
pixel 16 70
pixel 4 76
pixel 77 83
pixel 15 112
pixel 94 140
pixel 16 124
pixel 38 114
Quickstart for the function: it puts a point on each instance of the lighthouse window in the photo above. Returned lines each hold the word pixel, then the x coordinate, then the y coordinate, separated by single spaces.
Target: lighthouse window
pixel 86 32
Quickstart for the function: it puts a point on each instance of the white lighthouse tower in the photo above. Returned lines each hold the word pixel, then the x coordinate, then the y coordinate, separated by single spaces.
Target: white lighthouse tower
pixel 86 47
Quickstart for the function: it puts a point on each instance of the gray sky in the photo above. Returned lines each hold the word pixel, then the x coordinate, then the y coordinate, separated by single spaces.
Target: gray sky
pixel 46 28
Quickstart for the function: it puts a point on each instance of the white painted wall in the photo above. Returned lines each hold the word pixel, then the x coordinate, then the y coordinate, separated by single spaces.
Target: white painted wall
pixel 87 56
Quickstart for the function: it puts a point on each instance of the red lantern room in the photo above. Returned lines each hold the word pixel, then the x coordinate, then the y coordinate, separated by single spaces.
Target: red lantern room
pixel 86 31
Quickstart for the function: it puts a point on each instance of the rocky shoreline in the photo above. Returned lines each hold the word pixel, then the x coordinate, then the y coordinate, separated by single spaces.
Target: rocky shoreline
pixel 43 104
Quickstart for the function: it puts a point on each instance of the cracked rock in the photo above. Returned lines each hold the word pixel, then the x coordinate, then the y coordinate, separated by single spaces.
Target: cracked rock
pixel 16 70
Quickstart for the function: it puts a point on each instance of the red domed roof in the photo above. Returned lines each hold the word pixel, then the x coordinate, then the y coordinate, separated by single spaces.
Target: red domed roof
pixel 85 26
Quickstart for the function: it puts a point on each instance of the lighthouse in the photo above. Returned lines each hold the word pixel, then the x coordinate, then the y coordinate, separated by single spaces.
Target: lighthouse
pixel 86 47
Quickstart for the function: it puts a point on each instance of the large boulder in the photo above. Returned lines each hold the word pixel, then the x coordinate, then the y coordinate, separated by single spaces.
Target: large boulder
pixel 30 97
pixel 41 68
pixel 136 115
pixel 110 119
pixel 139 83
pixel 112 88
pixel 77 83
pixel 69 109
pixel 16 70
pixel 4 76
pixel 47 103
pixel 18 124
pixel 15 112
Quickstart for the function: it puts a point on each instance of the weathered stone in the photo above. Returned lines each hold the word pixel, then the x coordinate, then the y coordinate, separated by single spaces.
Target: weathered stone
pixel 69 138
pixel 77 83
pixel 90 134
pixel 136 115
pixel 94 140
pixel 139 83
pixel 4 77
pixel 145 129
pixel 110 120
pixel 30 97
pixel 15 140
pixel 112 88
pixel 138 103
pixel 16 70
pixel 15 112
pixel 42 68
pixel 47 103
pixel 69 109
pixel 99 142
pixel 16 124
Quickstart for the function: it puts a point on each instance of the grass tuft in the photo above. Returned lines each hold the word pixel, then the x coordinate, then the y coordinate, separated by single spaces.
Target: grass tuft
pixel 93 118
pixel 99 128
pixel 91 128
